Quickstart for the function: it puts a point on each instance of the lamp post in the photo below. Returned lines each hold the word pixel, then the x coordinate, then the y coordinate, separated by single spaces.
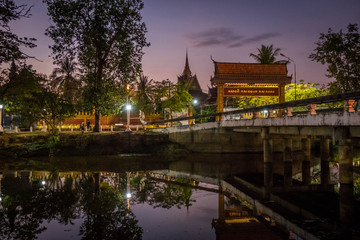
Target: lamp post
pixel 128 108
pixel 1 127
pixel 294 69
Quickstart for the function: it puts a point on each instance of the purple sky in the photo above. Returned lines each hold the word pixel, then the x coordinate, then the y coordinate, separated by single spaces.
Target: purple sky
pixel 227 30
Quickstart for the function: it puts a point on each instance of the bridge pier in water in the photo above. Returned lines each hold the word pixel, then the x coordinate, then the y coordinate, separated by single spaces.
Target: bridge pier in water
pixel 268 158
pixel 325 161
pixel 271 146
pixel 305 164
pixel 347 200
pixel 288 161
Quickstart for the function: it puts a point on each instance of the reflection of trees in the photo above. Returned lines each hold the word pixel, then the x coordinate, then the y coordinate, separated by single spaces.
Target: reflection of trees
pixel 106 216
pixel 164 194
pixel 27 205
pixel 20 217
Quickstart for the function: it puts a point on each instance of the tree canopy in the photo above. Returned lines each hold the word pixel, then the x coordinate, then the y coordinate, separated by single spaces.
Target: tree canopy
pixel 266 54
pixel 11 43
pixel 107 38
pixel 341 53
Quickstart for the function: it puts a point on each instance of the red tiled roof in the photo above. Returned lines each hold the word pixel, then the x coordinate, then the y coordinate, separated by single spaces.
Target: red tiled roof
pixel 250 68
pixel 250 73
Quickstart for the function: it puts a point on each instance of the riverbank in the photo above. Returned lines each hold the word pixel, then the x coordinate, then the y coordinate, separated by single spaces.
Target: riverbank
pixel 86 144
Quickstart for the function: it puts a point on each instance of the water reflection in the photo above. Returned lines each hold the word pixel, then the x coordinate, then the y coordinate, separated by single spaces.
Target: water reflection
pixel 28 204
pixel 112 198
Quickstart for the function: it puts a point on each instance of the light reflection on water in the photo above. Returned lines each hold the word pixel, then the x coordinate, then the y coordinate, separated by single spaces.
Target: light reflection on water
pixel 84 199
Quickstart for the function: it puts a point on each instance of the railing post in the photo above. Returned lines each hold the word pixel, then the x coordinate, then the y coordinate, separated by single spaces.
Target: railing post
pixel 313 109
pixel 289 111
pixel 349 105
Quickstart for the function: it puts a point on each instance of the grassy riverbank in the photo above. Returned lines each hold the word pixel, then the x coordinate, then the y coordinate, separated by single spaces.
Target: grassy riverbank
pixel 87 143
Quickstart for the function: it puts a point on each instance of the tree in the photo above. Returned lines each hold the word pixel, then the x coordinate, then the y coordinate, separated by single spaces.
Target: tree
pixel 65 79
pixel 144 94
pixel 107 38
pixel 10 43
pixel 18 93
pixel 266 54
pixel 341 52
pixel 303 91
pixel 174 97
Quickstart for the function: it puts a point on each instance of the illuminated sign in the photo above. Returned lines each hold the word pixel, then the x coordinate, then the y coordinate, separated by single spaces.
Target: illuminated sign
pixel 250 91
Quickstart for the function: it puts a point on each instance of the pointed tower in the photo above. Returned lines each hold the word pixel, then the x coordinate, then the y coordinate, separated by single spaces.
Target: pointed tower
pixel 191 82
pixel 187 71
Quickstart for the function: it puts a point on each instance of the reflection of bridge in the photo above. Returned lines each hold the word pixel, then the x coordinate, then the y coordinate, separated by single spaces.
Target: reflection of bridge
pixel 281 134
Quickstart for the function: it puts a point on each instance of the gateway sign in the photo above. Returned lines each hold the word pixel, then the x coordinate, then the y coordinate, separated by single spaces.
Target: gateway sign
pixel 250 91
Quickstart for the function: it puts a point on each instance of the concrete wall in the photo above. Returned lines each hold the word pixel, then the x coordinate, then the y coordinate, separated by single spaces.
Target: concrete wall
pixel 218 140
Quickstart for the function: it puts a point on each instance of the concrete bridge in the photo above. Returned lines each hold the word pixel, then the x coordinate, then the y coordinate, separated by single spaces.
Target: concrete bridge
pixel 286 138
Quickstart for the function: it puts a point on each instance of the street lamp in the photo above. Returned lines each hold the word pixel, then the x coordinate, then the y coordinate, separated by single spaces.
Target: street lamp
pixel 294 68
pixel 128 108
pixel 1 127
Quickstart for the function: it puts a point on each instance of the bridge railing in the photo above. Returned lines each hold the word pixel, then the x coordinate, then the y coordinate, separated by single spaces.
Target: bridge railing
pixel 350 99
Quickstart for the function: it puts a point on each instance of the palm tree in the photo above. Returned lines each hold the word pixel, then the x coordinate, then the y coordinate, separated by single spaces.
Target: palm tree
pixel 65 79
pixel 144 94
pixel 266 54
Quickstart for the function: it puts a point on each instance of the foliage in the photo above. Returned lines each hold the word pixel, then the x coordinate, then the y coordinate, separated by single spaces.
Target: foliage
pixel 303 91
pixel 19 91
pixel 54 109
pixel 156 96
pixel 10 43
pixel 107 100
pixel 66 79
pixel 179 98
pixel 106 37
pixel 27 205
pixel 266 54
pixel 166 194
pixel 106 215
pixel 357 188
pixel 25 95
pixel 144 96
pixel 341 52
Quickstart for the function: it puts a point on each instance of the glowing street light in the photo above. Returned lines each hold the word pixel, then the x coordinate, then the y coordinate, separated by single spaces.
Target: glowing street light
pixel 1 127
pixel 128 108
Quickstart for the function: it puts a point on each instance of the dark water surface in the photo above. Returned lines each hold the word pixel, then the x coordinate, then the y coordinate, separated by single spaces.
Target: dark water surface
pixel 122 197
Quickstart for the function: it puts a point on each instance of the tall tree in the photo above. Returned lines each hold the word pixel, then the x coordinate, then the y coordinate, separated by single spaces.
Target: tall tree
pixel 10 43
pixel 107 38
pixel 266 54
pixel 341 52
pixel 144 94
pixel 65 79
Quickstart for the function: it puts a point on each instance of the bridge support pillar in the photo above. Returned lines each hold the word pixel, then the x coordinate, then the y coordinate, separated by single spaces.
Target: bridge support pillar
pixel 347 201
pixel 305 164
pixel 221 206
pixel 288 161
pixel 268 161
pixel 325 157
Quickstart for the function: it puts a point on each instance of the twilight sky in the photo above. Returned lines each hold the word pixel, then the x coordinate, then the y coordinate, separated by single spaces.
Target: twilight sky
pixel 227 30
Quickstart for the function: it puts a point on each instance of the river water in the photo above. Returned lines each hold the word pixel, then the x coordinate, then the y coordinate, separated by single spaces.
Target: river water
pixel 127 197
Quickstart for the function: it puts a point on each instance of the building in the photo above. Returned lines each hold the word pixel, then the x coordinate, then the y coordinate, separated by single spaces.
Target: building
pixel 191 82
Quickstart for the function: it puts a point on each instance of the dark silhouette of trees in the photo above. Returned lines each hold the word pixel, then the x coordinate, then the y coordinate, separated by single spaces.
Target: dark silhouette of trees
pixel 341 53
pixel 107 38
pixel 10 43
